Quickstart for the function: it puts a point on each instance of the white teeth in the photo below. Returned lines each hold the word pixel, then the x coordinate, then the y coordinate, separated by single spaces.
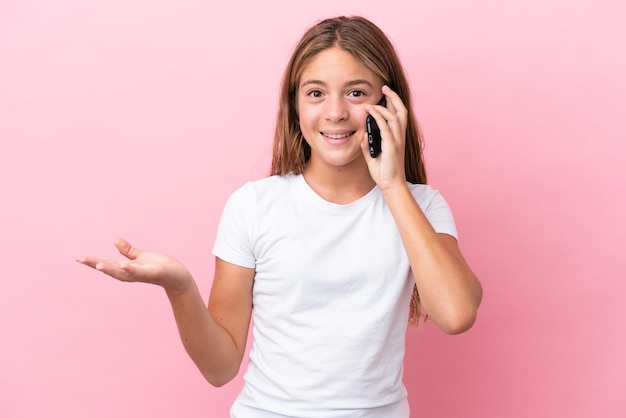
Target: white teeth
pixel 339 136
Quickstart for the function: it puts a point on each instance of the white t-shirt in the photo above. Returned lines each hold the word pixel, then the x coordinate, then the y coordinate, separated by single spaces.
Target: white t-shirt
pixel 331 297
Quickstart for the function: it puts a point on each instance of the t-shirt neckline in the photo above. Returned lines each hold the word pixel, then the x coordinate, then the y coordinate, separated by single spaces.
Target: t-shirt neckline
pixel 310 194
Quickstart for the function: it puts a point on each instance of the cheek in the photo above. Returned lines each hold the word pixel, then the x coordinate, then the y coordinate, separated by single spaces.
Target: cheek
pixel 304 122
pixel 306 117
pixel 361 114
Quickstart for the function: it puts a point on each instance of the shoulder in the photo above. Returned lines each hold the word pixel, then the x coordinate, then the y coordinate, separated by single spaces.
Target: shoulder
pixel 270 183
pixel 425 194
pixel 435 207
pixel 262 192
pixel 251 201
pixel 273 185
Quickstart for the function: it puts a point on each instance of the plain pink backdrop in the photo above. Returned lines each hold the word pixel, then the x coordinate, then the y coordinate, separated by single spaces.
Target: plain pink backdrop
pixel 139 118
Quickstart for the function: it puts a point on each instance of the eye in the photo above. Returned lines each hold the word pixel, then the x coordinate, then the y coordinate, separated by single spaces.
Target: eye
pixel 315 94
pixel 356 93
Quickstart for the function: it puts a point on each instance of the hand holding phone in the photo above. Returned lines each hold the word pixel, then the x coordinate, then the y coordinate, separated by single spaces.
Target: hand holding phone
pixel 373 132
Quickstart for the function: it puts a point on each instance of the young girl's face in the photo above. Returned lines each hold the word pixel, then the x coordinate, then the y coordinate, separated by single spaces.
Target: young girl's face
pixel 333 91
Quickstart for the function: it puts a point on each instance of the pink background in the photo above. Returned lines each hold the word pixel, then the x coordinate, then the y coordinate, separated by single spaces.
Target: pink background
pixel 139 118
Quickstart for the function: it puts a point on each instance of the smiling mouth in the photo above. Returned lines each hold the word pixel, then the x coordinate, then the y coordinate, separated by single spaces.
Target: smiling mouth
pixel 337 136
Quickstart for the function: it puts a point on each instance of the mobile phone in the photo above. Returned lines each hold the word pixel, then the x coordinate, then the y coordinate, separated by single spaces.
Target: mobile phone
pixel 373 132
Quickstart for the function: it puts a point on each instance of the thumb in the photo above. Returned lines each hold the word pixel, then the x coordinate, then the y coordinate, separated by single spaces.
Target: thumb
pixel 126 249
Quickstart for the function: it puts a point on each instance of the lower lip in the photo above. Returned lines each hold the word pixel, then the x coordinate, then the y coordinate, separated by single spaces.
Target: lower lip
pixel 337 141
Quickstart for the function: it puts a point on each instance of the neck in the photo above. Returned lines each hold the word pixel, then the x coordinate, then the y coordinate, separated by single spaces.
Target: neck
pixel 341 185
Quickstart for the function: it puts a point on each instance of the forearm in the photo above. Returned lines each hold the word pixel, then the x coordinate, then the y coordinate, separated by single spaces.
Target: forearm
pixel 449 291
pixel 210 347
pixel 216 351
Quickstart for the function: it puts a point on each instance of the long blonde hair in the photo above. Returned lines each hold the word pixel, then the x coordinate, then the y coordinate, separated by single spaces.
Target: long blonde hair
pixel 368 45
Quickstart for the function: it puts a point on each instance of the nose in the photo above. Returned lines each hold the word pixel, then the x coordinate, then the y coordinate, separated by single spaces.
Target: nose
pixel 336 109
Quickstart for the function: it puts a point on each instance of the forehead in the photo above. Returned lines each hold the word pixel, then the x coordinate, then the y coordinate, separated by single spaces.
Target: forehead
pixel 335 65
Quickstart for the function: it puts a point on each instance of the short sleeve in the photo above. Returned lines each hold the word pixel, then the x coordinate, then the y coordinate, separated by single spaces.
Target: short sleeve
pixel 233 242
pixel 437 210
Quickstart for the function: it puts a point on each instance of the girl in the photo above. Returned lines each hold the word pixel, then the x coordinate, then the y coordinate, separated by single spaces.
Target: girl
pixel 331 253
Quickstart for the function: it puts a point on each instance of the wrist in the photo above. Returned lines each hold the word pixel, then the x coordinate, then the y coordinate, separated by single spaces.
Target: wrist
pixel 394 188
pixel 179 285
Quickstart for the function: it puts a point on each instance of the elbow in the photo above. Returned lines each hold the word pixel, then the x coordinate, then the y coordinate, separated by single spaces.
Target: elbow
pixel 220 376
pixel 458 324
pixel 216 370
pixel 219 380
pixel 463 317
pixel 217 383
pixel 459 319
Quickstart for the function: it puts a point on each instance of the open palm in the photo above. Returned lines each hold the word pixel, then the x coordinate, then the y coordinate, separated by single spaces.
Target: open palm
pixel 141 266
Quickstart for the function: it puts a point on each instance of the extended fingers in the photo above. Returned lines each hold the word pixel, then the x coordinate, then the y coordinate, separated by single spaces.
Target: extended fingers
pixel 119 269
pixel 396 107
pixel 388 122
pixel 395 112
pixel 89 261
pixel 394 102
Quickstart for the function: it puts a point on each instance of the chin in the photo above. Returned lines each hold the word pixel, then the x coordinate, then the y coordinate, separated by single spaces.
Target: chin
pixel 344 161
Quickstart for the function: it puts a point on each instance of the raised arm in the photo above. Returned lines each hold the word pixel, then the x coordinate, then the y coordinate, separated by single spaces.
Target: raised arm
pixel 215 338
pixel 449 291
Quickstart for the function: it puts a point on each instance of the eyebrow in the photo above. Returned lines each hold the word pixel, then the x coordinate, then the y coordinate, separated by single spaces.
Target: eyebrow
pixel 348 84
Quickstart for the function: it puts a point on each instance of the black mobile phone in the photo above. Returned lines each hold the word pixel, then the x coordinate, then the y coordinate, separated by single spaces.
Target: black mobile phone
pixel 373 132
